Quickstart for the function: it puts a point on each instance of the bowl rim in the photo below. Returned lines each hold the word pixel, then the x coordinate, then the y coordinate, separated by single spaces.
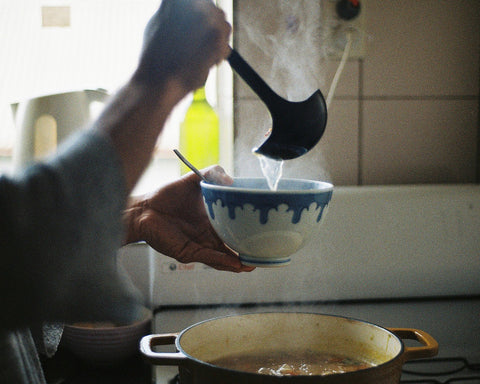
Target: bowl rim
pixel 323 186
pixel 146 316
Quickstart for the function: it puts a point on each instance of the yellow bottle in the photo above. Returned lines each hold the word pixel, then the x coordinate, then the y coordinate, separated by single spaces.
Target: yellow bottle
pixel 199 133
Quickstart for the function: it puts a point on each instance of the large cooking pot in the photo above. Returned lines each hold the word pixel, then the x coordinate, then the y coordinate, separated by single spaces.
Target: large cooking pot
pixel 268 333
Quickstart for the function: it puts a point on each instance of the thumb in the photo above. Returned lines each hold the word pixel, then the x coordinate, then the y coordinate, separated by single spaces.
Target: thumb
pixel 217 175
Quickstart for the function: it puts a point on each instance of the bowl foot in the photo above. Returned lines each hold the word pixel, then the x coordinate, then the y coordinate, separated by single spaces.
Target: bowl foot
pixel 252 261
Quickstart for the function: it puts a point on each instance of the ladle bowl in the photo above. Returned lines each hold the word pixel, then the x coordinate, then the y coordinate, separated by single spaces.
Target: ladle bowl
pixel 297 126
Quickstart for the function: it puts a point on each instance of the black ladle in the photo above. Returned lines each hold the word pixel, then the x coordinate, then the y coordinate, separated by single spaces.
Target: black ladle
pixel 296 126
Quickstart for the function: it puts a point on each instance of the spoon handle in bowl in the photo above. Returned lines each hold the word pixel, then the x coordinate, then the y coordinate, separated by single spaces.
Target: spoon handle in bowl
pixel 189 165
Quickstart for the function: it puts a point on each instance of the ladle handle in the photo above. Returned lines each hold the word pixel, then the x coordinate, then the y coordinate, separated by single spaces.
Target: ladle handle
pixel 258 85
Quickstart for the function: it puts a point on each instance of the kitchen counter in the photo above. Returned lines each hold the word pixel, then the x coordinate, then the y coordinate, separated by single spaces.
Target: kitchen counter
pixel 65 368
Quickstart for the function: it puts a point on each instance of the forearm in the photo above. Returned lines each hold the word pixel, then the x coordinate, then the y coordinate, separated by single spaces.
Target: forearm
pixel 182 41
pixel 133 120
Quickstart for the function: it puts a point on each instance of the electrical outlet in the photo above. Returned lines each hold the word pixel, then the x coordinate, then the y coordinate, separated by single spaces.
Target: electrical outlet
pixel 335 31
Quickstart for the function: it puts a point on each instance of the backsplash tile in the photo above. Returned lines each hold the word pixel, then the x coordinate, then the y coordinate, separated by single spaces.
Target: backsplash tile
pixel 422 48
pixel 406 113
pixel 419 141
pixel 334 159
pixel 268 33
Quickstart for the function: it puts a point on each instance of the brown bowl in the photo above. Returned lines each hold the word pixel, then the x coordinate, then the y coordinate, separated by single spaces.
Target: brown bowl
pixel 105 343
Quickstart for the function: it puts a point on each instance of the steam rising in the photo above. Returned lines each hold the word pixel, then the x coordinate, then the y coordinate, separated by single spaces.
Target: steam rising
pixel 282 42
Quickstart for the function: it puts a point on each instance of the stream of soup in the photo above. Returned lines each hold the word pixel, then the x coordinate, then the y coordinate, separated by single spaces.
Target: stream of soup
pixel 272 171
pixel 305 363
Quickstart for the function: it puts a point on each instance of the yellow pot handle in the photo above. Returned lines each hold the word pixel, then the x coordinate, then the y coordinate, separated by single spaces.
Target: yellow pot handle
pixel 429 346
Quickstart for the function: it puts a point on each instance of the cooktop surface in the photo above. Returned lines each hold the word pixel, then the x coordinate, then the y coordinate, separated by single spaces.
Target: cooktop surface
pixel 453 322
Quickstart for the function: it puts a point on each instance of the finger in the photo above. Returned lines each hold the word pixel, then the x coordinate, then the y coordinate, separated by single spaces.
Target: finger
pixel 215 259
pixel 220 31
pixel 223 40
pixel 243 268
pixel 217 175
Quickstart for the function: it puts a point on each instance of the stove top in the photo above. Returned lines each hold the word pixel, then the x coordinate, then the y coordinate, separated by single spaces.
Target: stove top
pixel 441 370
pixel 453 322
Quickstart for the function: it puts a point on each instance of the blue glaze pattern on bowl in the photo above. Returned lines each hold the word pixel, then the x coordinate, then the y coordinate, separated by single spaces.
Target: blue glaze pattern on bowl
pixel 297 194
pixel 266 227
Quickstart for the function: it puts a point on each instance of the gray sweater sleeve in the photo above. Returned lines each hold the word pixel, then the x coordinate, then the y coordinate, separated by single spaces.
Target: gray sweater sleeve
pixel 60 227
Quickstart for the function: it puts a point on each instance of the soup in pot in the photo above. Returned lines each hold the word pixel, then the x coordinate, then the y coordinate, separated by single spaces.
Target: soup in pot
pixel 305 363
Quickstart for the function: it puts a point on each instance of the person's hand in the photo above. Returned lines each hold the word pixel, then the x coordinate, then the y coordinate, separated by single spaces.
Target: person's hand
pixel 183 39
pixel 174 222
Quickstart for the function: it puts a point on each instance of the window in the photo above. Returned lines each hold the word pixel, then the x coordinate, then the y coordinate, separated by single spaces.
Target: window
pixel 51 46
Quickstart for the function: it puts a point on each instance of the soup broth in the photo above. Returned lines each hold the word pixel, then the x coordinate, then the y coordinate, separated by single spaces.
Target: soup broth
pixel 272 171
pixel 304 363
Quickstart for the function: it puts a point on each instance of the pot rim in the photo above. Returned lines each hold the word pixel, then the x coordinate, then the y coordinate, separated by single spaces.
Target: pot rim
pixel 202 362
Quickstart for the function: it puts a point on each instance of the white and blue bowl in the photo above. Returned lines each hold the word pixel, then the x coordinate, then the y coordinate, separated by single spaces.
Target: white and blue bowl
pixel 266 227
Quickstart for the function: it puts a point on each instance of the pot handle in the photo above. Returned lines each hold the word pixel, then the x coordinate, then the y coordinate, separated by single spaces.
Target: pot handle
pixel 160 358
pixel 428 349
